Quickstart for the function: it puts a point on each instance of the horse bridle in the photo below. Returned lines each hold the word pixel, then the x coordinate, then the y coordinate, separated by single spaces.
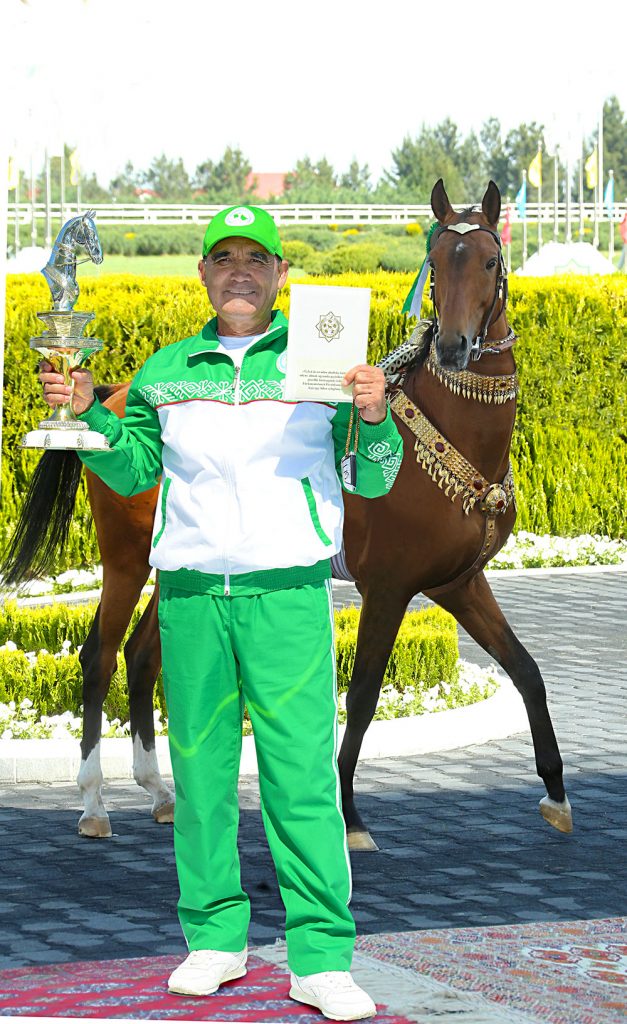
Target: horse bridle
pixel 479 344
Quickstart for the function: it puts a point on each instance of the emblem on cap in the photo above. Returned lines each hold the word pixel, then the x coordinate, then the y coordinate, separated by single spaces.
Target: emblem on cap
pixel 329 326
pixel 239 218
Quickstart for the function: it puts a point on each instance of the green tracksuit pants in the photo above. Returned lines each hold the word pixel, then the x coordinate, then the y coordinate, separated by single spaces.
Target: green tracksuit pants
pixel 275 653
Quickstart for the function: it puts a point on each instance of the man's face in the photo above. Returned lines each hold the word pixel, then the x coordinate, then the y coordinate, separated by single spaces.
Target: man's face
pixel 242 280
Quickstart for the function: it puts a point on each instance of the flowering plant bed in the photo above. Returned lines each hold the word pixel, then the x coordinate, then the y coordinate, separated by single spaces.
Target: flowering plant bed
pixel 523 550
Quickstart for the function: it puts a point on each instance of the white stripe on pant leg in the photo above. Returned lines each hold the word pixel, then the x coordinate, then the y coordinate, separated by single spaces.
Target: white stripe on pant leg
pixel 338 788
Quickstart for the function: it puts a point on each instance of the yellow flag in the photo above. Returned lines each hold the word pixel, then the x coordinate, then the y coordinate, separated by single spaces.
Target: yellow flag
pixel 14 174
pixel 75 168
pixel 591 168
pixel 535 170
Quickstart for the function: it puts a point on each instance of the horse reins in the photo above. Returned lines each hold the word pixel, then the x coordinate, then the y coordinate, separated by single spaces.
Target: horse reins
pixel 479 344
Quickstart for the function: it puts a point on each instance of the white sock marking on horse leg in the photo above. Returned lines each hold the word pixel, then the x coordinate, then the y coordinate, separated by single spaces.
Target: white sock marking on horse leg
pixel 146 773
pixel 90 784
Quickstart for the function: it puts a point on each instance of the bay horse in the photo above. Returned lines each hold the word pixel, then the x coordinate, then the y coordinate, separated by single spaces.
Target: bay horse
pixel 445 516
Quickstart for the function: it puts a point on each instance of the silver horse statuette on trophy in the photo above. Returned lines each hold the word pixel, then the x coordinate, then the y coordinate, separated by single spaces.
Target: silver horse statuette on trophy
pixel 62 343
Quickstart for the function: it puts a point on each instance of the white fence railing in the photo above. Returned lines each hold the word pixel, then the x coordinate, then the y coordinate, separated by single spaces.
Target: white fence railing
pixel 323 213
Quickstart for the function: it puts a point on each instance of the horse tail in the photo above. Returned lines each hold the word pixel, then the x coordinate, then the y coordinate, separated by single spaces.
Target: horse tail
pixel 44 523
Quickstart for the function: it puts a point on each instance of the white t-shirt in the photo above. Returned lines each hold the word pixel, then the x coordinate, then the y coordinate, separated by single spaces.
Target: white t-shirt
pixel 236 347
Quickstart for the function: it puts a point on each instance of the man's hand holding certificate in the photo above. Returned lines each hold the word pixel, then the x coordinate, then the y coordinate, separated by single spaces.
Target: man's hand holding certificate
pixel 327 348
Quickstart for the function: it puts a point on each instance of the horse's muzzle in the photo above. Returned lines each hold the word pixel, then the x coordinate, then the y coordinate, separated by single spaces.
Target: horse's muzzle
pixel 453 350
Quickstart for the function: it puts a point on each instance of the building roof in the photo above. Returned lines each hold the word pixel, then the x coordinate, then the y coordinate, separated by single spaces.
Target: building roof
pixel 266 183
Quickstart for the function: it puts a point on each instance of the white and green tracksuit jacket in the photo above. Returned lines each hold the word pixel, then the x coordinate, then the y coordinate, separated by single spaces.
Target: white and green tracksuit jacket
pixel 250 498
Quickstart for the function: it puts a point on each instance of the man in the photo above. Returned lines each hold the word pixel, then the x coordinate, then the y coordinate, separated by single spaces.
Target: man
pixel 249 513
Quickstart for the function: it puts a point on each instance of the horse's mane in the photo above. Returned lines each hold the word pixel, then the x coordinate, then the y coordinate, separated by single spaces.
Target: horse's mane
pixel 424 344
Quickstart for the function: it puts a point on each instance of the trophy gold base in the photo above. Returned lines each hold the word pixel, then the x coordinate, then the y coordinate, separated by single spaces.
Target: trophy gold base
pixel 66 440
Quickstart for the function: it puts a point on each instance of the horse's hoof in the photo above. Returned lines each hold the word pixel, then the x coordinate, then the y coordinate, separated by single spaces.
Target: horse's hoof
pixel 95 828
pixel 360 839
pixel 164 814
pixel 558 815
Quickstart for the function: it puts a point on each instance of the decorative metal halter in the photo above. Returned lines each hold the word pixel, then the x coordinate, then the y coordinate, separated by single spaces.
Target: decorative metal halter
pixel 479 343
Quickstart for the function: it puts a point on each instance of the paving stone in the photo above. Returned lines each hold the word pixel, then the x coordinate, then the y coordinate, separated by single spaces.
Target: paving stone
pixel 462 842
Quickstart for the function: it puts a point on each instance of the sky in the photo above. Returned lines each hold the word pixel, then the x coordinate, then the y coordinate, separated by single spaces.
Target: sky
pixel 130 79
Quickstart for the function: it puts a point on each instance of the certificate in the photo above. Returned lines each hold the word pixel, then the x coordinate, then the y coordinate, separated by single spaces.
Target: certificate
pixel 328 335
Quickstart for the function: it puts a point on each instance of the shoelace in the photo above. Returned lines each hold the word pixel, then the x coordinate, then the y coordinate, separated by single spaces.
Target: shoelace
pixel 199 955
pixel 339 979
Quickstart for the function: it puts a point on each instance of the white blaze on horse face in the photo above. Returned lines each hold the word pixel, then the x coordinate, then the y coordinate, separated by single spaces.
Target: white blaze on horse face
pixel 460 248
pixel 90 784
pixel 146 773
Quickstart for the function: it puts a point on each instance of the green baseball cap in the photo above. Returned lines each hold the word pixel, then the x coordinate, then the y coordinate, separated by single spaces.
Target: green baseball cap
pixel 243 222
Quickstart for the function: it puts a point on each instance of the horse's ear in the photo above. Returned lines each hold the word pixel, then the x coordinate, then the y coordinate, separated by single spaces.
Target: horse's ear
pixel 440 204
pixel 491 204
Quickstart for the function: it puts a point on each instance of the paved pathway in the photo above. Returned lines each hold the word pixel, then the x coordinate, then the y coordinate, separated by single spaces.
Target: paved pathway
pixel 461 841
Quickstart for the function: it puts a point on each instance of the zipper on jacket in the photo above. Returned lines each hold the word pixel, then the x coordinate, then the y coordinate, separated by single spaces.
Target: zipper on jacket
pixel 227 472
pixel 236 380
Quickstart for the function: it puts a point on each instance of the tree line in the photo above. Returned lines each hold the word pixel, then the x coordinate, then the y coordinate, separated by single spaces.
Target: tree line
pixel 465 163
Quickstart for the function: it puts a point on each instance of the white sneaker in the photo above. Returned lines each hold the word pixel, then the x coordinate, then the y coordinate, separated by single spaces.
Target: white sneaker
pixel 334 993
pixel 204 970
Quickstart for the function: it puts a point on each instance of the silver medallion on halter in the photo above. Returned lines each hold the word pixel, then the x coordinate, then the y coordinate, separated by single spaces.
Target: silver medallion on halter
pixel 62 343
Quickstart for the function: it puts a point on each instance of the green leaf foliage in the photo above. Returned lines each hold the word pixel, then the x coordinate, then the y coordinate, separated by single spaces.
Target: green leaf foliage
pixel 426 652
pixel 569 449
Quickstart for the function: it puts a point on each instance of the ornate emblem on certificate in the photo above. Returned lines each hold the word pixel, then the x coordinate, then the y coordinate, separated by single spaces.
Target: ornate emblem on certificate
pixel 322 346
pixel 329 326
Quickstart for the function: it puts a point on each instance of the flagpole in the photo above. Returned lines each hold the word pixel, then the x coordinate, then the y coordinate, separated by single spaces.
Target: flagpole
pixel 581 191
pixel 556 230
pixel 524 252
pixel 62 184
pixel 33 222
pixel 595 240
pixel 16 226
pixel 600 164
pixel 569 232
pixel 540 199
pixel 610 214
pixel 48 209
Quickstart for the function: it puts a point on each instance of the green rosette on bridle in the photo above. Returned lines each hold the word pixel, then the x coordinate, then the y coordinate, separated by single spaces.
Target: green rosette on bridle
pixel 413 302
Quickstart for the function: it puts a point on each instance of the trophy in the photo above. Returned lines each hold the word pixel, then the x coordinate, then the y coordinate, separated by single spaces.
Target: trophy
pixel 62 343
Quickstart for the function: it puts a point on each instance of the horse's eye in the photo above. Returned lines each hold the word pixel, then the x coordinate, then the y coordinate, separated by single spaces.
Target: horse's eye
pixel 491 263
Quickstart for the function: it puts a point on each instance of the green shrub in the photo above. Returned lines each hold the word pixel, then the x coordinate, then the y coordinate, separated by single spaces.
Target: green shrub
pixel 402 258
pixel 568 450
pixel 358 258
pixel 426 651
pixel 297 253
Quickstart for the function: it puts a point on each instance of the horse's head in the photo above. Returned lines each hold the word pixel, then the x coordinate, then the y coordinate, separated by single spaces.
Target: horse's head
pixel 468 276
pixel 87 236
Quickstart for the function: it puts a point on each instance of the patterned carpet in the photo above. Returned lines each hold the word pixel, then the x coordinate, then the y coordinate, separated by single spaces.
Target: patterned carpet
pixel 561 973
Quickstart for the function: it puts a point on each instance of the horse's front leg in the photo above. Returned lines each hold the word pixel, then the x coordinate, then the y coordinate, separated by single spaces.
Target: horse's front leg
pixel 475 608
pixel 381 616
pixel 143 661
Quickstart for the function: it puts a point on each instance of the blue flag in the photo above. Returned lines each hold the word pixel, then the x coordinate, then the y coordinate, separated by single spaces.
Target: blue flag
pixel 608 198
pixel 521 201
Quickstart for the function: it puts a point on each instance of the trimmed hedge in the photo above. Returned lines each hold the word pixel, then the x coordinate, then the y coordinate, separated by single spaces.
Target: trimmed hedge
pixel 426 652
pixel 569 450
